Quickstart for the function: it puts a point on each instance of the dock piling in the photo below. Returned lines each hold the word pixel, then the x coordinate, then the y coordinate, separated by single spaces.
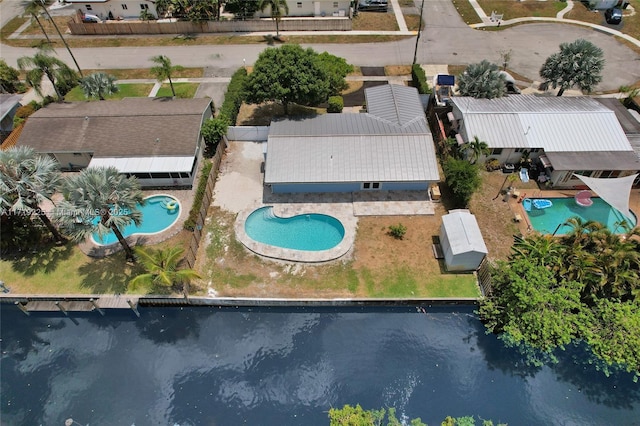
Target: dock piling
pixel 95 305
pixel 133 307
pixel 22 308
pixel 62 309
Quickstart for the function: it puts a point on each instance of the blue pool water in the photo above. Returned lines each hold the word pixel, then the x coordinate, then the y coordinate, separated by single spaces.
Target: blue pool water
pixel 547 220
pixel 156 217
pixel 309 232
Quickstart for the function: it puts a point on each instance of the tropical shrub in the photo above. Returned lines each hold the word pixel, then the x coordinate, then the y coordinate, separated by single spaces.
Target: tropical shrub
pixel 492 164
pixel 419 79
pixel 397 231
pixel 234 97
pixel 336 104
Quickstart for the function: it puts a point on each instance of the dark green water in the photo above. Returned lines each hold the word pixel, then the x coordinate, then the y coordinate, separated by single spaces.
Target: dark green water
pixel 210 366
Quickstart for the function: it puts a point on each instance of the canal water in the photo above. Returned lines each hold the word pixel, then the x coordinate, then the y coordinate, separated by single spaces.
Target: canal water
pixel 212 366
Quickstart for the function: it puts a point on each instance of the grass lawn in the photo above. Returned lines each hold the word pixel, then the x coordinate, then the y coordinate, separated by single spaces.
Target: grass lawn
pixel 126 91
pixel 183 90
pixel 141 73
pixel 522 9
pixel 467 12
pixel 375 21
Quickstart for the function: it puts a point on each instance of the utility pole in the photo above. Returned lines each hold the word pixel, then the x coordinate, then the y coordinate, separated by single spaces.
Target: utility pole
pixel 415 52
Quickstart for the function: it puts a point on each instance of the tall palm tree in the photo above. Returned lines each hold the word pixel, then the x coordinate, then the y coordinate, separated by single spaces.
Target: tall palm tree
pixel 164 70
pixel 33 9
pixel 100 200
pixel 162 268
pixel 475 148
pixel 43 64
pixel 277 8
pixel 98 85
pixel 34 4
pixel 27 179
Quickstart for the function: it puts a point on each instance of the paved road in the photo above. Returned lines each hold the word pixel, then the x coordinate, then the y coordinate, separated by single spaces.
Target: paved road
pixel 446 40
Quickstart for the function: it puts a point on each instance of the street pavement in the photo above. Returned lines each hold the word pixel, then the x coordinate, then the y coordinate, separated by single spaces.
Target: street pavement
pixel 446 40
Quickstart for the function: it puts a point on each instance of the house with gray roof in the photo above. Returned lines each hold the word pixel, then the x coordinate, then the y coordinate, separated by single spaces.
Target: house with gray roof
pixel 567 136
pixel 388 148
pixel 157 140
pixel 9 104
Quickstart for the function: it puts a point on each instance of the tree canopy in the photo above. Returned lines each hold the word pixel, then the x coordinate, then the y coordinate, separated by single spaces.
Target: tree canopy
pixel 581 287
pixel 482 80
pixel 164 70
pixel 579 63
pixel 291 74
pixel 9 78
pixel 462 178
pixel 43 64
pixel 358 416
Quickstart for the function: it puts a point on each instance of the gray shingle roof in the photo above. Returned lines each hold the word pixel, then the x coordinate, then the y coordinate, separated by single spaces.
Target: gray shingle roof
pixel 7 102
pixel 129 127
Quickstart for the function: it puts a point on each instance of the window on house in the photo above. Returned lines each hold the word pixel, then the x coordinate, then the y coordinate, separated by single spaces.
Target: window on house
pixel 586 173
pixel 335 4
pixel 160 175
pixel 88 7
pixel 144 6
pixel 124 6
pixel 521 150
pixel 299 4
pixel 610 174
pixel 496 151
pixel 371 185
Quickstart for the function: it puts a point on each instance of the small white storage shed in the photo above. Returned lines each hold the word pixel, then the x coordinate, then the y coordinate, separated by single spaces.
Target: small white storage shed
pixel 461 240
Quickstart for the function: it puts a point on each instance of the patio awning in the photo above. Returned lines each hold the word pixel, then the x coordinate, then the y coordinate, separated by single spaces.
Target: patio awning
pixel 145 164
pixel 614 191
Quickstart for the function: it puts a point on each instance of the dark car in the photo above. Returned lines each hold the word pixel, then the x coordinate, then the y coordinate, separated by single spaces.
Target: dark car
pixel 373 5
pixel 613 16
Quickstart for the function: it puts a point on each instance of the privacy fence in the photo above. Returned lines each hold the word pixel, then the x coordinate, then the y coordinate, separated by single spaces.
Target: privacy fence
pixel 185 27
pixel 196 236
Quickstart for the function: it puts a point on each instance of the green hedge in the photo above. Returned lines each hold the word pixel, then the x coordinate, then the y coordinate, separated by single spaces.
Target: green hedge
pixel 190 223
pixel 420 79
pixel 234 96
pixel 336 104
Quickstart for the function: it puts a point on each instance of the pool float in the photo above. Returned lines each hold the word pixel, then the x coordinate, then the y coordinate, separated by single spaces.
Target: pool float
pixel 170 204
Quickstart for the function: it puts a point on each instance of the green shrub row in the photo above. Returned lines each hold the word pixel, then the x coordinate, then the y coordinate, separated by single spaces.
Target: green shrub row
pixel 234 96
pixel 419 79
pixel 190 223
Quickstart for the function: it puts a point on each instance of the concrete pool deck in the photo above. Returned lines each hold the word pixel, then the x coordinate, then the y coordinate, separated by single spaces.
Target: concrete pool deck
pixel 240 190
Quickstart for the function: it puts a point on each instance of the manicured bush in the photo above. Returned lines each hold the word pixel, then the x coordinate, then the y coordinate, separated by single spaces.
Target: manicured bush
pixel 397 231
pixel 190 223
pixel 336 103
pixel 234 97
pixel 212 131
pixel 419 79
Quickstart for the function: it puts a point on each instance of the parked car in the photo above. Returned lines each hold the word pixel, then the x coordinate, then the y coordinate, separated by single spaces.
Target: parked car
pixel 373 5
pixel 613 16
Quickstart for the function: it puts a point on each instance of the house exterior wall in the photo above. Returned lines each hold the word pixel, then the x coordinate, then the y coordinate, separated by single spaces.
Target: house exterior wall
pixel 6 125
pixel 120 9
pixel 566 179
pixel 73 160
pixel 313 8
pixel 347 187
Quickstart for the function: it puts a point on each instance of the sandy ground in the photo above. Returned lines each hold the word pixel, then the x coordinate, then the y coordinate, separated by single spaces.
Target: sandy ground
pixel 240 181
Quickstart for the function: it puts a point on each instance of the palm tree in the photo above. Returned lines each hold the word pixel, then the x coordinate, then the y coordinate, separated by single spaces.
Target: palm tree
pixel 475 148
pixel 277 7
pixel 539 249
pixel 482 80
pixel 98 85
pixel 33 9
pixel 27 179
pixel 579 63
pixel 42 64
pixel 162 268
pixel 100 200
pixel 33 6
pixel 164 70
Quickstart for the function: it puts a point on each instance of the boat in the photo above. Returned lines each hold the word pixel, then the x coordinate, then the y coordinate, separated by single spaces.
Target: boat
pixel 542 203
pixel 526 204
pixel 583 198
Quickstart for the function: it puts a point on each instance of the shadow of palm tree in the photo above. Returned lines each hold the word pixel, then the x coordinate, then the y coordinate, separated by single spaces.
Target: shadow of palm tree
pixel 263 114
pixel 43 259
pixel 109 275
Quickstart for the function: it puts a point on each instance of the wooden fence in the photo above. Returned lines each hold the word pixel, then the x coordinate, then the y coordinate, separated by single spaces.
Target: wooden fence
pixel 186 27
pixel 196 236
pixel 484 278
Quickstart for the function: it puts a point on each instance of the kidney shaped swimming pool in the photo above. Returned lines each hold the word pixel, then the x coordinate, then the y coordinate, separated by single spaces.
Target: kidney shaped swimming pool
pixel 308 232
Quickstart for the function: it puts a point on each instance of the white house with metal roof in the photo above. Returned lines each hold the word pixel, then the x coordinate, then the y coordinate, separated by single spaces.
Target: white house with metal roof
pixel 115 9
pixel 567 135
pixel 388 148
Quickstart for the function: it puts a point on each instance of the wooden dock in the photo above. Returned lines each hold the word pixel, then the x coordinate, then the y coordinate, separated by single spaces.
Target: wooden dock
pixel 76 304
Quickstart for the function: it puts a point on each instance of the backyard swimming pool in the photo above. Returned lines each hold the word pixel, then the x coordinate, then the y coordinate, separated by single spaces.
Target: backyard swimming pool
pixel 547 220
pixel 308 232
pixel 158 214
